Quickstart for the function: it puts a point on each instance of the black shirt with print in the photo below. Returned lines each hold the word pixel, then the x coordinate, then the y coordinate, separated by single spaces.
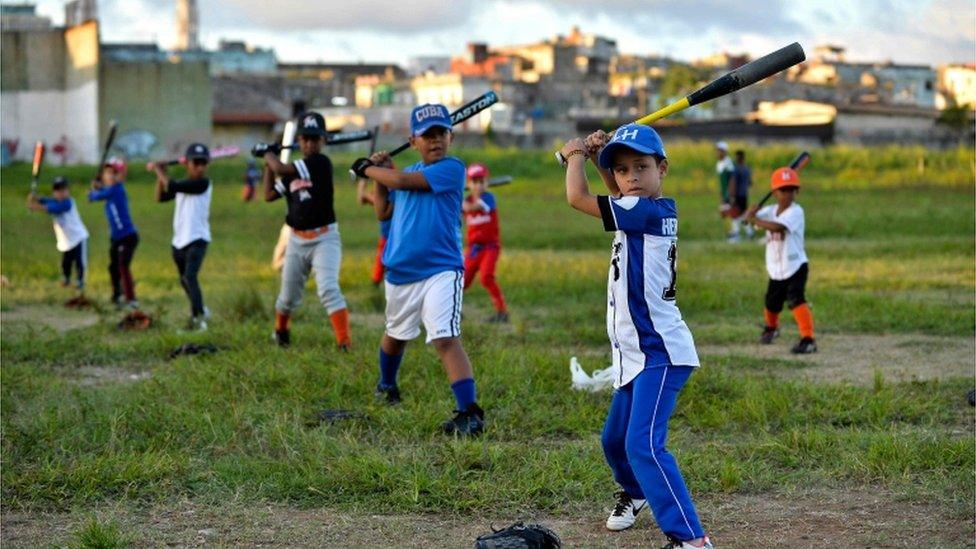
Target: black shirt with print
pixel 309 194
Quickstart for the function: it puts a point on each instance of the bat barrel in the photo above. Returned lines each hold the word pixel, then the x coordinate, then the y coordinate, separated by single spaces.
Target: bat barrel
pixel 750 73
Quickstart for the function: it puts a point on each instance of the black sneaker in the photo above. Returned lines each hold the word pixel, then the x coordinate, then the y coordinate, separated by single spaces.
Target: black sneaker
pixel 499 318
pixel 805 346
pixel 470 422
pixel 282 338
pixel 390 394
pixel 768 335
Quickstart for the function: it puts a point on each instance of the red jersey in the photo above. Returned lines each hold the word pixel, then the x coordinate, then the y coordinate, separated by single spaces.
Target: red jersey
pixel 483 223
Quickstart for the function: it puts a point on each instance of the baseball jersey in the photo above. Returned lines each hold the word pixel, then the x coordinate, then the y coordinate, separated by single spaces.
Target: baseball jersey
pixel 69 230
pixel 643 321
pixel 309 194
pixel 425 234
pixel 784 250
pixel 483 223
pixel 743 180
pixel 116 209
pixel 191 216
pixel 724 168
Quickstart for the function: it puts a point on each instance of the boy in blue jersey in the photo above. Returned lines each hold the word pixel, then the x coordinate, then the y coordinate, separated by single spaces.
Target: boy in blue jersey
pixel 110 187
pixel 424 265
pixel 653 351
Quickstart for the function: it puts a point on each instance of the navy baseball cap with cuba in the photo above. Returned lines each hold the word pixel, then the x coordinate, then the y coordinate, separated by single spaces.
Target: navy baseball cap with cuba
pixel 427 116
pixel 636 137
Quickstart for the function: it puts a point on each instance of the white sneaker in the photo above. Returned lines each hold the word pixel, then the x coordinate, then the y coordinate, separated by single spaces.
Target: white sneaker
pixel 674 544
pixel 624 512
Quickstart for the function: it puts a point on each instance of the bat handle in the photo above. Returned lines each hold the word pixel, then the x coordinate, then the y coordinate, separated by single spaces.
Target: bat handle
pixel 400 149
pixel 560 158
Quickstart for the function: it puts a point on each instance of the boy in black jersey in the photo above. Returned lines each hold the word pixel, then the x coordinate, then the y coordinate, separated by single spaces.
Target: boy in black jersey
pixel 306 185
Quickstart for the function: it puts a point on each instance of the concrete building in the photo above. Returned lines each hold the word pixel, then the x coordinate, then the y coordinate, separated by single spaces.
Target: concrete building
pixel 22 17
pixel 235 57
pixel 329 84
pixel 957 84
pixel 49 88
pixel 60 85
pixel 247 109
pixel 187 25
pixel 77 12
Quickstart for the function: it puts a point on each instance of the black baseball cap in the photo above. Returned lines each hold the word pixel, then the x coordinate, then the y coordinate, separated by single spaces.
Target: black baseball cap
pixel 311 123
pixel 197 151
pixel 60 182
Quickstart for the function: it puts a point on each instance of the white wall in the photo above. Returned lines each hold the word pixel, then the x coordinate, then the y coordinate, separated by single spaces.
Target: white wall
pixel 49 116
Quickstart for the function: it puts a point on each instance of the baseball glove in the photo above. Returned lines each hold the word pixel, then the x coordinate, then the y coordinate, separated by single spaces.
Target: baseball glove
pixel 135 321
pixel 520 536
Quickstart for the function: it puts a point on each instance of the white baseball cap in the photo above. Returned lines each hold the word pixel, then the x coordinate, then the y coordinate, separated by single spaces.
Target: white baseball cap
pixel 722 146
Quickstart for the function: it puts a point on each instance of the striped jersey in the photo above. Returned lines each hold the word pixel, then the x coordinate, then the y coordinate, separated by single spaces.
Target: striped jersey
pixel 643 321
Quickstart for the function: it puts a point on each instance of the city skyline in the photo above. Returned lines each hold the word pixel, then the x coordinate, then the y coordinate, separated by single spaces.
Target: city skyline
pixel 383 31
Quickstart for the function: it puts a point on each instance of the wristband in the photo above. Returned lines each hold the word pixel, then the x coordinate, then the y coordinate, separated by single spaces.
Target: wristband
pixel 573 153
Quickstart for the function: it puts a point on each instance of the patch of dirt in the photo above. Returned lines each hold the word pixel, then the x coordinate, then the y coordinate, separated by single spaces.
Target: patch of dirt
pixel 93 376
pixel 855 358
pixel 858 517
pixel 60 319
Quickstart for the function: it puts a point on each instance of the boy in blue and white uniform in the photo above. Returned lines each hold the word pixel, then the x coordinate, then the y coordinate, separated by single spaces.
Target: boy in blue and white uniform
pixel 69 230
pixel 423 260
pixel 653 350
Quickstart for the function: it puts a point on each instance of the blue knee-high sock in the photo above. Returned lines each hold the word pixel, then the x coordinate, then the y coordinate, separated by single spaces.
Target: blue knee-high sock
pixel 464 393
pixel 389 367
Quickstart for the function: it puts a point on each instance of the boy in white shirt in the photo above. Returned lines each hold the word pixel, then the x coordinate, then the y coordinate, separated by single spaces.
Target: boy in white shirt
pixel 69 230
pixel 786 260
pixel 191 224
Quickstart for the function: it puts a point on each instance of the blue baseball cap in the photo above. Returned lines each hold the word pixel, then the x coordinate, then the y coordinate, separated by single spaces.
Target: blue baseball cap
pixel 427 116
pixel 638 137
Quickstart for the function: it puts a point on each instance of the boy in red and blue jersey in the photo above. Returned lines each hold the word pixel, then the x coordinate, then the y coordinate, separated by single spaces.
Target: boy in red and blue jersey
pixel 110 188
pixel 484 243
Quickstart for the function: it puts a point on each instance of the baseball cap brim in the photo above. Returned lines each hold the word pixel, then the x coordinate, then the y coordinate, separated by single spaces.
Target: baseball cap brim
pixel 606 155
pixel 420 130
pixel 311 131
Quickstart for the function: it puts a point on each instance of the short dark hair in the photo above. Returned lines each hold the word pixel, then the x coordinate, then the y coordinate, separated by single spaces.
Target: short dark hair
pixel 740 153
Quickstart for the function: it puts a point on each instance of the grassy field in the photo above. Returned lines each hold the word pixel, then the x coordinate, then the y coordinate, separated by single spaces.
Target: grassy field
pixel 102 434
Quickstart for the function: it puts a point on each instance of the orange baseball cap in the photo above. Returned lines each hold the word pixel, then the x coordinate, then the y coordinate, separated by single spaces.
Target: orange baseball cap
pixel 784 177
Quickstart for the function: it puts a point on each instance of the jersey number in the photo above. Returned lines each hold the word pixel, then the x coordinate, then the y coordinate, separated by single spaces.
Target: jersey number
pixel 670 292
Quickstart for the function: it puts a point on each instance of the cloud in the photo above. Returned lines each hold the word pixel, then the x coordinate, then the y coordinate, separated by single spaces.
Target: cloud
pixel 693 16
pixel 391 16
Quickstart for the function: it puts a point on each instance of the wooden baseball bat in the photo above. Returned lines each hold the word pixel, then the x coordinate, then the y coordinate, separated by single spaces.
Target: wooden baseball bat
pixel 797 164
pixel 36 166
pixel 746 75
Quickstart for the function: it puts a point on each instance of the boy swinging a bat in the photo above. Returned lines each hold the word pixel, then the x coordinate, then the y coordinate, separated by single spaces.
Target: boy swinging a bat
pixel 306 186
pixel 424 265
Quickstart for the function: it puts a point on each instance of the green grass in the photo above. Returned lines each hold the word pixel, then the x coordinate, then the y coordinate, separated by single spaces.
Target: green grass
pixel 891 250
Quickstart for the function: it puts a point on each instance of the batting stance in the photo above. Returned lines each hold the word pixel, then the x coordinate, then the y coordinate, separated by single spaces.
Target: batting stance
pixel 306 186
pixel 424 266
pixel 653 350
pixel 786 260
pixel 69 231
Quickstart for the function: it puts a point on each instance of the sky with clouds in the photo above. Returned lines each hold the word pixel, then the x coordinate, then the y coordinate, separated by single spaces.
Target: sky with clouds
pixel 920 31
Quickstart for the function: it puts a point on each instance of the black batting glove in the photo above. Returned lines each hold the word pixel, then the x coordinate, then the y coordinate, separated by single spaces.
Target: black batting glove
pixel 359 167
pixel 260 149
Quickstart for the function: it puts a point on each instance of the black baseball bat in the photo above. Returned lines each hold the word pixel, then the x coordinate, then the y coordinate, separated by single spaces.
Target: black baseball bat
pixel 746 75
pixel 112 127
pixel 465 112
pixel 797 164
pixel 468 110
